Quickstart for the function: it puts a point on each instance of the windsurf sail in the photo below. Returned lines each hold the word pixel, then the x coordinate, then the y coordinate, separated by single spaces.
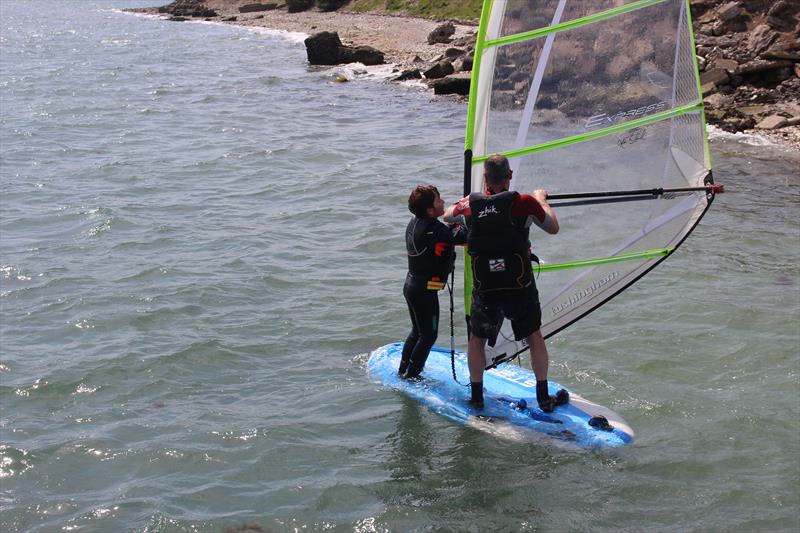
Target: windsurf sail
pixel 599 103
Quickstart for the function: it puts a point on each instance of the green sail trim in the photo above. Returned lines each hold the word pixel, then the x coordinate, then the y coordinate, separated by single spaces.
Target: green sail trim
pixel 480 41
pixel 586 263
pixel 687 6
pixel 577 23
pixel 611 130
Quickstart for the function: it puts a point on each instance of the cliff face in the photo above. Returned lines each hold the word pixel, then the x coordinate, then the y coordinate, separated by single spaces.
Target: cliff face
pixel 749 56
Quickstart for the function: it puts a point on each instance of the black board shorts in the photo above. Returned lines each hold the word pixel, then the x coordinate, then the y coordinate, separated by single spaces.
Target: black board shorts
pixel 520 306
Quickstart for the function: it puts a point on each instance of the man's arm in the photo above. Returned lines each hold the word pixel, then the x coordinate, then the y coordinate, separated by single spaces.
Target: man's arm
pixel 550 224
pixel 457 212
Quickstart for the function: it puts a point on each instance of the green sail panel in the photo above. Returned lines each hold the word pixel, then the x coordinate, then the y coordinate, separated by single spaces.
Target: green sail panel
pixel 592 96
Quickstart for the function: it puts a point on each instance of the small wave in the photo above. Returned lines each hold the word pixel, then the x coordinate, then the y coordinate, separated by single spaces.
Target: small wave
pixel 12 272
pixel 269 81
pixel 106 219
pixel 26 391
pixel 166 315
pixel 14 461
pixel 206 99
pixel 99 229
pixel 159 243
pixel 149 273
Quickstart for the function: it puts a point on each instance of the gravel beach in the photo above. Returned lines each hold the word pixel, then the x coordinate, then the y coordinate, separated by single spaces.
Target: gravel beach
pixel 403 40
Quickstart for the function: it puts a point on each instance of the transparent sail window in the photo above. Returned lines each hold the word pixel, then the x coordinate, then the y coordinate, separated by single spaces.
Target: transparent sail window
pixel 594 76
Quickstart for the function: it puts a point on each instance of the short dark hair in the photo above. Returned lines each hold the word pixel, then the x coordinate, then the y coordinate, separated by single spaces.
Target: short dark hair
pixel 421 198
pixel 496 169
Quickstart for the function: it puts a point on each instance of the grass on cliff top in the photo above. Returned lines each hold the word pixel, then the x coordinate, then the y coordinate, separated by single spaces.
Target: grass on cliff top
pixel 466 10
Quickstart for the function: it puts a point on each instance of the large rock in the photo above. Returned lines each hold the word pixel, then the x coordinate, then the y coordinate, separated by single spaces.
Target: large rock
pixel 253 8
pixel 453 84
pixel 782 15
pixel 761 65
pixel 779 53
pixel 728 65
pixel 760 38
pixel 464 64
pixel 752 110
pixel 454 53
pixel 717 76
pixel 718 101
pixel 772 123
pixel 442 33
pixel 187 8
pixel 410 74
pixel 360 54
pixel 729 11
pixel 325 48
pixel 467 41
pixel 439 70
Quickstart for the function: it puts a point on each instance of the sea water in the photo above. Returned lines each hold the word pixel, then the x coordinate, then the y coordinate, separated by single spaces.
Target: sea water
pixel 201 240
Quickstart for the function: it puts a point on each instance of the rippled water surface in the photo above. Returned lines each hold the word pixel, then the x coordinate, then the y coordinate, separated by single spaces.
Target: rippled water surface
pixel 201 241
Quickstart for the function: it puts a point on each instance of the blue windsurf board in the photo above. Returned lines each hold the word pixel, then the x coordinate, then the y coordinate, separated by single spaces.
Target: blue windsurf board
pixel 510 407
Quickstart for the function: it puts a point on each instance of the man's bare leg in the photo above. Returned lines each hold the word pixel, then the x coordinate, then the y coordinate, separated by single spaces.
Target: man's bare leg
pixel 540 362
pixel 539 356
pixel 476 360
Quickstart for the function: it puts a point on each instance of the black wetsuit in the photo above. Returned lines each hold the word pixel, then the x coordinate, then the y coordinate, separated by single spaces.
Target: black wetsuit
pixel 430 246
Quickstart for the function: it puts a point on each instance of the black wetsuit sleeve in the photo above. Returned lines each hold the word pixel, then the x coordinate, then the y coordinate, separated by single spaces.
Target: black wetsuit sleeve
pixel 450 236
pixel 459 234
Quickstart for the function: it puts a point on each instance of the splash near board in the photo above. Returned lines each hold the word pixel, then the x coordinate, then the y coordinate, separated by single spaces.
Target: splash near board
pixel 510 396
pixel 598 103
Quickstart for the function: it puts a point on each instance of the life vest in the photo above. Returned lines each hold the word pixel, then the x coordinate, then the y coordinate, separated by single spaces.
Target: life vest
pixel 498 243
pixel 428 260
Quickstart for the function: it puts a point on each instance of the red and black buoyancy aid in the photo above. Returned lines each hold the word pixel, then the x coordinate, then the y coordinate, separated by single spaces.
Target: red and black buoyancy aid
pixel 499 243
pixel 428 260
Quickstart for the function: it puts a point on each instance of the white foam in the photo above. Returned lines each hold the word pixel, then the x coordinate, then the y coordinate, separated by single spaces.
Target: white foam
pixel 137 14
pixel 293 36
pixel 753 139
pixel 354 71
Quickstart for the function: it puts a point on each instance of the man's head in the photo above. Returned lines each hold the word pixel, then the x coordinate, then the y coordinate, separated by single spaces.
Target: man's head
pixel 425 201
pixel 497 173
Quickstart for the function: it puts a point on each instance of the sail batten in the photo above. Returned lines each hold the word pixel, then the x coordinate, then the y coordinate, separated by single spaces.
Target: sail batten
pixel 610 130
pixel 584 263
pixel 597 96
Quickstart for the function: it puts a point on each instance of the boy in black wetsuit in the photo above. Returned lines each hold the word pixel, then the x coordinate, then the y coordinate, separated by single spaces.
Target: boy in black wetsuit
pixel 430 245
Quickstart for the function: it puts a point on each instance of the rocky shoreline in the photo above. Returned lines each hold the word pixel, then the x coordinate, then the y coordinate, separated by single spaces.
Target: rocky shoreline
pixel 748 52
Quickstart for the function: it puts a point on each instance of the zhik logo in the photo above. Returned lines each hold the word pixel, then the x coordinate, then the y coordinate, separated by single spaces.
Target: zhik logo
pixel 488 210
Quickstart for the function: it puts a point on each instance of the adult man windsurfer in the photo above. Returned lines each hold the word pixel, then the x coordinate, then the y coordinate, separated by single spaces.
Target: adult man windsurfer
pixel 430 246
pixel 498 222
